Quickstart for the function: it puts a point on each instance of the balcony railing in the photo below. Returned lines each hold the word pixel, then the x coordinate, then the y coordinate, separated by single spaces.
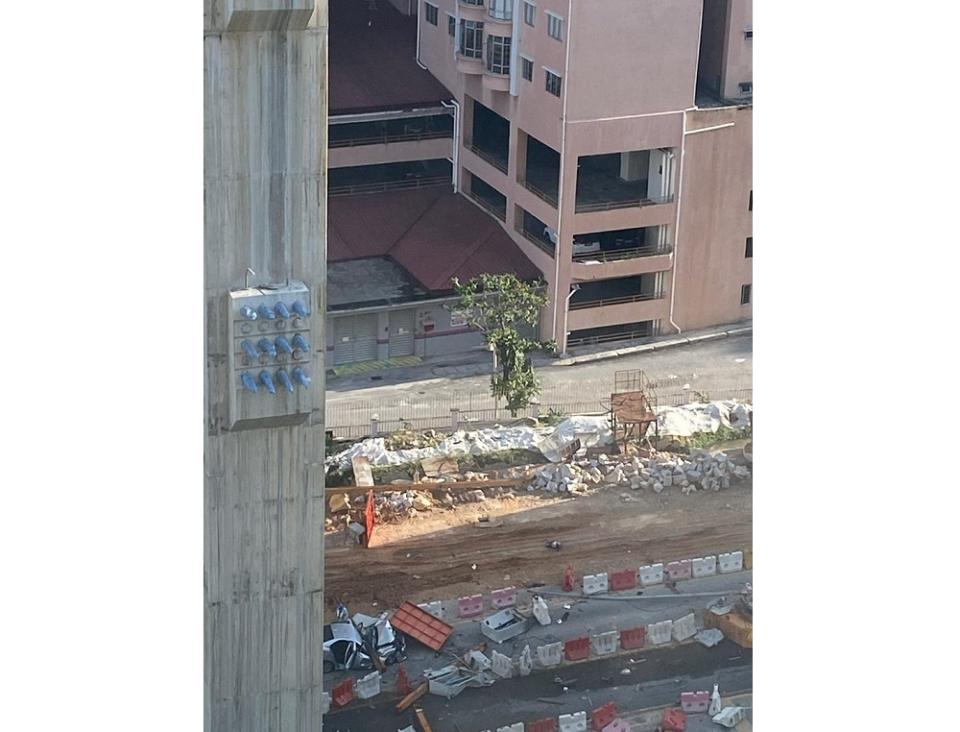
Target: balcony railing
pixel 500 9
pixel 488 206
pixel 623 203
pixel 627 335
pixel 540 242
pixel 615 255
pixel 539 192
pixel 605 302
pixel 489 157
pixel 390 185
pixel 387 138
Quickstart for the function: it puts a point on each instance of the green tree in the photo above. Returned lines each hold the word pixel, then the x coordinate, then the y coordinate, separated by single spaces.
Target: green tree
pixel 499 306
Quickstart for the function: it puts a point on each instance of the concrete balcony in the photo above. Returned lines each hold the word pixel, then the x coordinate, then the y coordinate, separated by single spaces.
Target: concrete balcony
pixel 613 312
pixel 651 213
pixel 473 10
pixel 467 65
pixel 374 153
pixel 496 82
pixel 586 269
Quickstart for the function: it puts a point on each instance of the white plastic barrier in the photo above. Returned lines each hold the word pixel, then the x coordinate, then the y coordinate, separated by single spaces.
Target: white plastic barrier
pixel 525 664
pixel 704 566
pixel 550 654
pixel 325 702
pixel 515 727
pixel 605 643
pixel 659 633
pixel 407 729
pixel 540 611
pixel 730 717
pixel 369 686
pixel 732 562
pixel 651 574
pixel 501 665
pixel 435 608
pixel 576 722
pixel 685 627
pixel 595 583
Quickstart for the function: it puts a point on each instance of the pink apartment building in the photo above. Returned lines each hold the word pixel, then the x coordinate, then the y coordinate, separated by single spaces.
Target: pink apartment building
pixel 609 140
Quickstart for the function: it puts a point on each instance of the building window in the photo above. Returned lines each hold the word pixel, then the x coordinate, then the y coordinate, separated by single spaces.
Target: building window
pixel 452 25
pixel 498 55
pixel 431 14
pixel 526 67
pixel 748 34
pixel 500 9
pixel 471 38
pixel 749 252
pixel 751 200
pixel 746 87
pixel 745 294
pixel 553 83
pixel 529 13
pixel 554 26
pixel 473 2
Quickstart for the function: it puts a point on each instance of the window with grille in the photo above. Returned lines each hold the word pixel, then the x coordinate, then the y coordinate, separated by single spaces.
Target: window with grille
pixel 471 38
pixel 746 87
pixel 749 251
pixel 554 26
pixel 529 13
pixel 431 14
pixel 745 294
pixel 451 25
pixel 498 55
pixel 526 66
pixel 553 83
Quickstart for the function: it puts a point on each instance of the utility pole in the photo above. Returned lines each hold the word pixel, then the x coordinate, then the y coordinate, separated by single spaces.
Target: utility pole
pixel 265 120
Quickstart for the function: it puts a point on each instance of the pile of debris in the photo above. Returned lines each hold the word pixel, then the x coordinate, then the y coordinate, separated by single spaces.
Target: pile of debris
pixel 407 439
pixel 691 473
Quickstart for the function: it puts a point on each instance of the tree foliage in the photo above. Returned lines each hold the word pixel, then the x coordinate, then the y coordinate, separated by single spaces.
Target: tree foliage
pixel 499 306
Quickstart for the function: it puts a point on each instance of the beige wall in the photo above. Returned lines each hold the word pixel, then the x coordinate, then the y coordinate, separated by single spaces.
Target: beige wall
pixel 714 220
pixel 393 152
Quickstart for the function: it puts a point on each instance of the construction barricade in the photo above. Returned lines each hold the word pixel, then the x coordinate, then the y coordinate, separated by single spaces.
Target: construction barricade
pixel 633 638
pixel 501 665
pixel 730 717
pixel 625 579
pixel 602 716
pixel 674 720
pixel 342 693
pixel 435 608
pixel 402 683
pixel 568 580
pixel 594 584
pixel 550 654
pixel 704 566
pixel 685 627
pixel 679 570
pixel 577 649
pixel 468 607
pixel 618 725
pixel 548 724
pixel 576 722
pixel 515 727
pixel 525 663
pixel 659 633
pixel 325 702
pixel 369 686
pixel 651 574
pixel 506 597
pixel 605 643
pixel 731 562
pixel 695 701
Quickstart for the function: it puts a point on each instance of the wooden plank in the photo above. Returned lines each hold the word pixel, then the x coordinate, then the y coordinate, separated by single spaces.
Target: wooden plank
pixel 410 698
pixel 422 718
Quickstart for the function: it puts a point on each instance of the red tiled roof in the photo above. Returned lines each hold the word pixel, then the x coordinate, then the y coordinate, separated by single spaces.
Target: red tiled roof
pixel 433 233
pixel 372 67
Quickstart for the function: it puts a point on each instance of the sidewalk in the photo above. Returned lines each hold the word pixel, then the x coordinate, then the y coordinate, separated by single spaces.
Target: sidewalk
pixel 478 362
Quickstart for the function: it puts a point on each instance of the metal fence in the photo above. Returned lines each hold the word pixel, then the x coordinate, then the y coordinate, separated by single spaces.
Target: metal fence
pixel 473 409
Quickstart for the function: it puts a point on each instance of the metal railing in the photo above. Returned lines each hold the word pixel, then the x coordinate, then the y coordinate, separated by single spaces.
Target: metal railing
pixel 472 410
pixel 624 203
pixel 540 242
pixel 388 138
pixel 391 185
pixel 490 158
pixel 502 215
pixel 631 335
pixel 606 301
pixel 615 255
pixel 538 192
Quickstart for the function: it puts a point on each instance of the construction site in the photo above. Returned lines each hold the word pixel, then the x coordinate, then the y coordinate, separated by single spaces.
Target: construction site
pixel 574 572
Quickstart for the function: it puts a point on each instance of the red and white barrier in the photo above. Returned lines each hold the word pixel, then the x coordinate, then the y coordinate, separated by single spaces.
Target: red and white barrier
pixel 680 570
pixel 505 597
pixel 694 702
pixel 470 606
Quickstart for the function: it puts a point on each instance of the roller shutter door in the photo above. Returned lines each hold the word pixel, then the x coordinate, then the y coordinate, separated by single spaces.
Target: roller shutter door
pixel 355 339
pixel 401 333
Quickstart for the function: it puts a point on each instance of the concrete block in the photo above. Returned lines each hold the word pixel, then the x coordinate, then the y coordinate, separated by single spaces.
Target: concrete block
pixel 540 611
pixel 704 566
pixel 479 661
pixel 632 638
pixel 515 727
pixel 594 584
pixel 369 686
pixel 709 637
pixel 618 725
pixel 547 724
pixel 731 562
pixel 659 633
pixel 501 665
pixel 325 702
pixel 651 574
pixel 685 627
pixel 605 643
pixel 576 722
pixel 550 654
pixel 694 702
pixel 470 606
pixel 435 608
pixel 525 664
pixel 505 597
pixel 577 649
pixel 679 570
pixel 625 579
pixel 730 717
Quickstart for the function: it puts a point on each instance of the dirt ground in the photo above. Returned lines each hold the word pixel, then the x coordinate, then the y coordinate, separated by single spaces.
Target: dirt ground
pixel 430 556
